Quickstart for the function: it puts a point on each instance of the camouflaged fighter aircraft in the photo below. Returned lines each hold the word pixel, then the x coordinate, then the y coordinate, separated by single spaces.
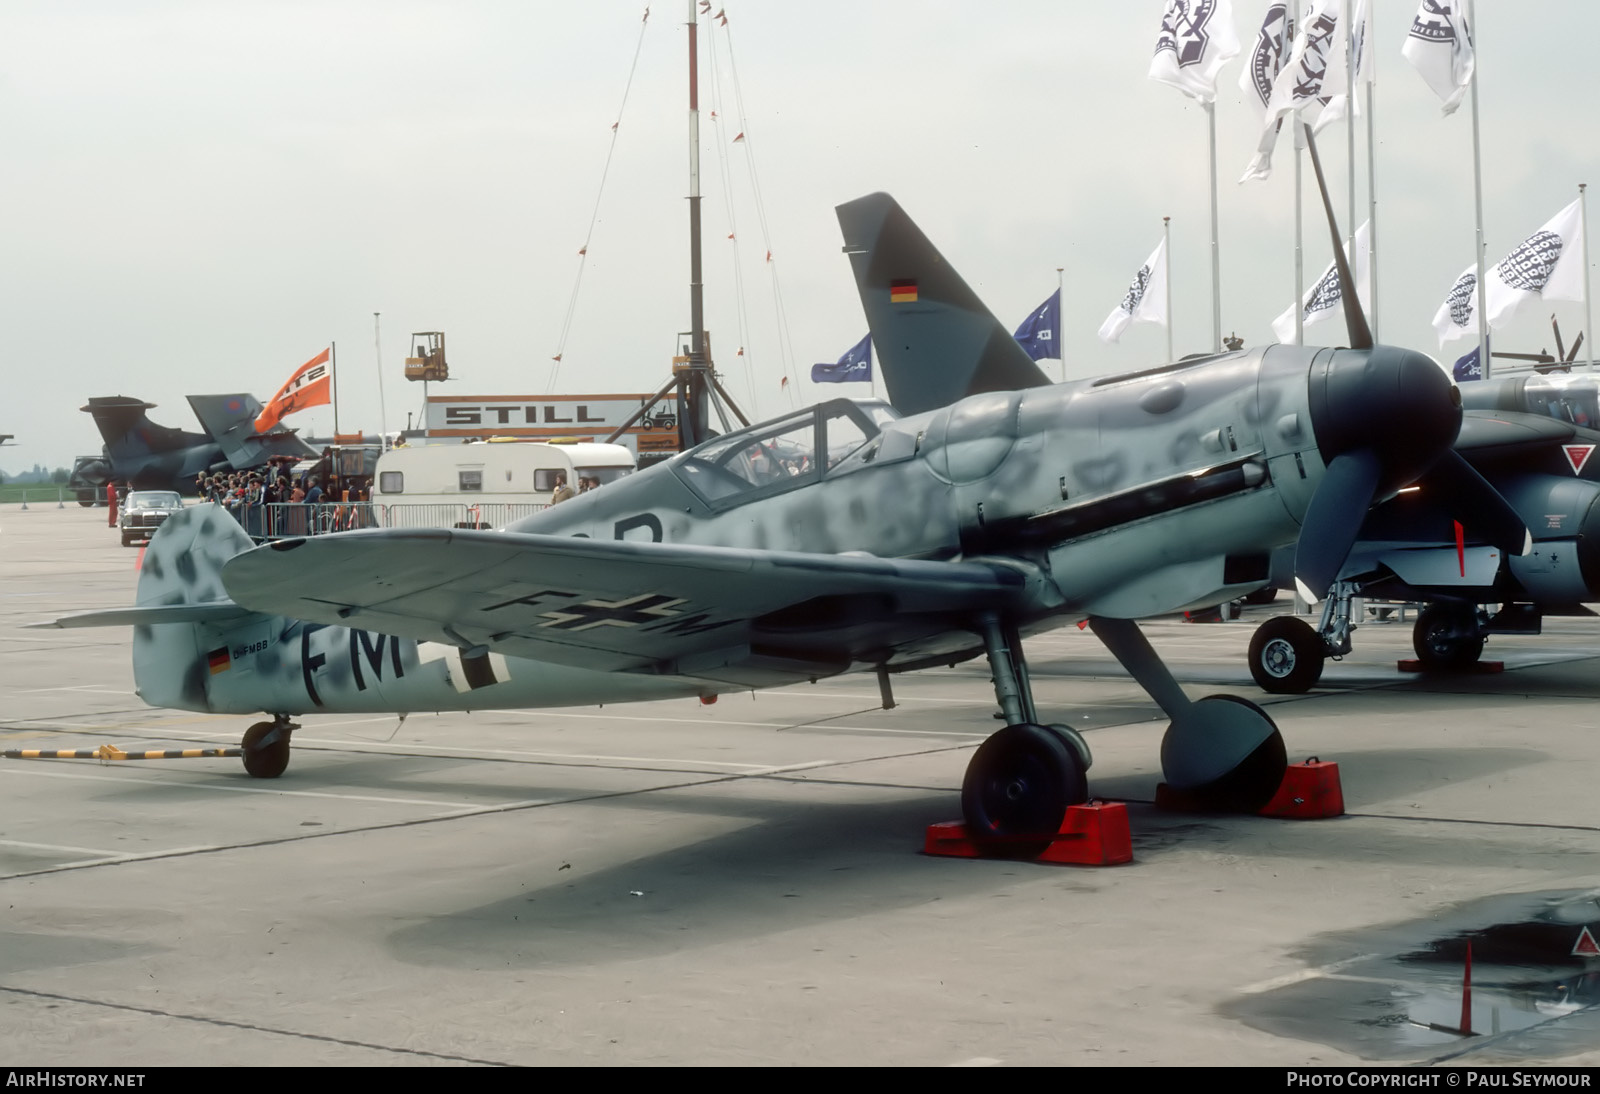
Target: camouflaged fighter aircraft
pixel 1532 437
pixel 849 537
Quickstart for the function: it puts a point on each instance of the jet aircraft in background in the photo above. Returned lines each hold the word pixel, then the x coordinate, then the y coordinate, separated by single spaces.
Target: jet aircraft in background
pixel 985 504
pixel 148 456
pixel 1533 437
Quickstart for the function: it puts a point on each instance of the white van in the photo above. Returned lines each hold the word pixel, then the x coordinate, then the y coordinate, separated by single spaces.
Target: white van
pixel 494 481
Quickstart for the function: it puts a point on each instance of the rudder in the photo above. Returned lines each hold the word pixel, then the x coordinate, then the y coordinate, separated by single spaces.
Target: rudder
pixel 936 341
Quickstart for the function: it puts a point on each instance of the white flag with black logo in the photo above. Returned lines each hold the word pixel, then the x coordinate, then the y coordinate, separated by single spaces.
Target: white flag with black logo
pixel 1457 317
pixel 1341 59
pixel 1311 75
pixel 1548 265
pixel 1325 299
pixel 1146 299
pixel 1261 68
pixel 1196 39
pixel 1439 47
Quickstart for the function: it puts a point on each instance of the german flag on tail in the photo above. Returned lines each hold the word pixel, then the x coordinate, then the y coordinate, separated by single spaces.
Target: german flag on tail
pixel 903 292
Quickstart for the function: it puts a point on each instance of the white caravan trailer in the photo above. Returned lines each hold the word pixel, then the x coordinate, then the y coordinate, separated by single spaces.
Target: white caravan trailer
pixel 488 483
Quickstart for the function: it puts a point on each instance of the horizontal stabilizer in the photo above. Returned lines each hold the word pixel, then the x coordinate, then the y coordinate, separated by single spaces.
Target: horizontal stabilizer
pixel 936 342
pixel 217 611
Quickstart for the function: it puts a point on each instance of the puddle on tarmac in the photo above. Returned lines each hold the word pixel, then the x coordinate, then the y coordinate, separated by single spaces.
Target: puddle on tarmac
pixel 1395 992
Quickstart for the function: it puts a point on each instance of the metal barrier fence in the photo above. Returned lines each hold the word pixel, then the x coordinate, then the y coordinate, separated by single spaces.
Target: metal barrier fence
pixel 286 520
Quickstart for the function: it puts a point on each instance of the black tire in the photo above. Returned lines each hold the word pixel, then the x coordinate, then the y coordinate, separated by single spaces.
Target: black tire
pixel 126 541
pixel 86 498
pixel 1020 783
pixel 1262 596
pixel 1287 655
pixel 1446 638
pixel 265 762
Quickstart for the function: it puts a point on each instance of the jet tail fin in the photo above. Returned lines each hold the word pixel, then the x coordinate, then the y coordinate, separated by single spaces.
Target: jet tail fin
pixel 231 421
pixel 936 342
pixel 129 434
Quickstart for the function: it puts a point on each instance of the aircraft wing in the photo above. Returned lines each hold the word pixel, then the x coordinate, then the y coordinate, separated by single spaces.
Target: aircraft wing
pixel 1492 433
pixel 722 613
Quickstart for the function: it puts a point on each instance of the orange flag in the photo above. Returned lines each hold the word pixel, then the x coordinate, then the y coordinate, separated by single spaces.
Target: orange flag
pixel 309 386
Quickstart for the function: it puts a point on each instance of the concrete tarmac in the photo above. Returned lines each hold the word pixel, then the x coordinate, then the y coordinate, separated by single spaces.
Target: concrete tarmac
pixel 671 883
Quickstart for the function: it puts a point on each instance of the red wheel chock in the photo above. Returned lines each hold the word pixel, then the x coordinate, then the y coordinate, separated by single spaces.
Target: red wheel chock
pixel 1309 791
pixel 1095 834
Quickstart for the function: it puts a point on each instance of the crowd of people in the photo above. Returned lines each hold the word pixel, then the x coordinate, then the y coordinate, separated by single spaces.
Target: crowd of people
pixel 250 496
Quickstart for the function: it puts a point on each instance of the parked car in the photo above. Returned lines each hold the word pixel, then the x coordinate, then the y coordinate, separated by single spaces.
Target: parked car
pixel 143 511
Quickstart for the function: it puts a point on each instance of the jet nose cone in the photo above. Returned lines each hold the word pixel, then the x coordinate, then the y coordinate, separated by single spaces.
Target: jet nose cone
pixel 1395 403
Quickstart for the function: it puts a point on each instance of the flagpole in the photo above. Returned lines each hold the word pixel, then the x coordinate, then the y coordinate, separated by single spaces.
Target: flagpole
pixel 1477 196
pixel 1299 257
pixel 1588 319
pixel 1216 262
pixel 377 349
pixel 1371 53
pixel 1061 308
pixel 1348 18
pixel 1166 247
pixel 333 367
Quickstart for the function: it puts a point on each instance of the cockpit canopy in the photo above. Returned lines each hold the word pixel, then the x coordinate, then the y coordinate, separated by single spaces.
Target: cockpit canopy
pixel 781 454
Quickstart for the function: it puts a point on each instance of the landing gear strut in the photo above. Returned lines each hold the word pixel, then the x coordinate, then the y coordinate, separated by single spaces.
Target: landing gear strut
pixel 1022 780
pixel 1221 751
pixel 266 747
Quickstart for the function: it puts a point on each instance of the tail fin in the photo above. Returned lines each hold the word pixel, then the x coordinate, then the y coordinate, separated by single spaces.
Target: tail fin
pixel 183 568
pixel 935 340
pixel 231 421
pixel 129 434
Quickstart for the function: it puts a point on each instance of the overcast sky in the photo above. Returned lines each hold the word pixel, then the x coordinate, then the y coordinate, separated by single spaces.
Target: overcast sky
pixel 198 197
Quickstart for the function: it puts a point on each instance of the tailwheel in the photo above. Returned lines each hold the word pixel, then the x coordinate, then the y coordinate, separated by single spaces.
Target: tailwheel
pixel 1224 753
pixel 1021 781
pixel 1287 655
pixel 266 749
pixel 1447 638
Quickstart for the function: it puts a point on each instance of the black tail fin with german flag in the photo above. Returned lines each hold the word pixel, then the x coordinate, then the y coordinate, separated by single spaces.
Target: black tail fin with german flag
pixel 935 340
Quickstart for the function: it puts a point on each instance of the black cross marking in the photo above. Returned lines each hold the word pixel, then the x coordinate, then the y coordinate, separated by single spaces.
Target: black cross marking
pixel 645 608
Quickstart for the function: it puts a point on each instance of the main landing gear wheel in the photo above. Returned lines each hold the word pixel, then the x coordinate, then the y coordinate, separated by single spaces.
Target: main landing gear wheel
pixel 1021 781
pixel 1287 655
pixel 265 760
pixel 1225 754
pixel 1446 638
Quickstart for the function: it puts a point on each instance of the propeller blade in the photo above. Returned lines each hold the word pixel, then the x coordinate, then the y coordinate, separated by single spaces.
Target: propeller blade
pixel 1572 355
pixel 1355 320
pixel 1467 496
pixel 1333 519
pixel 1560 352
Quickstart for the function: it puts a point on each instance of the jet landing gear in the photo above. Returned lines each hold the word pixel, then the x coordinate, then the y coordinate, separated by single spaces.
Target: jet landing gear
pixel 266 747
pixel 1448 637
pixel 1287 654
pixel 1219 753
pixel 1022 780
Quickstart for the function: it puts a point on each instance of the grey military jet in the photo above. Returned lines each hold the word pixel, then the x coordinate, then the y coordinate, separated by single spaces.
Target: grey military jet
pixel 1532 436
pixel 149 456
pixel 982 505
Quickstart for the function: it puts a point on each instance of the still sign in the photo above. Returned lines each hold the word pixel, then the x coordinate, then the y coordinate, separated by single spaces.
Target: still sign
pixel 545 417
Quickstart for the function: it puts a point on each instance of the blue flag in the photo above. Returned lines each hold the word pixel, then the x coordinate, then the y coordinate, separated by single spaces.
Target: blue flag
pixel 853 367
pixel 1468 367
pixel 1039 333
